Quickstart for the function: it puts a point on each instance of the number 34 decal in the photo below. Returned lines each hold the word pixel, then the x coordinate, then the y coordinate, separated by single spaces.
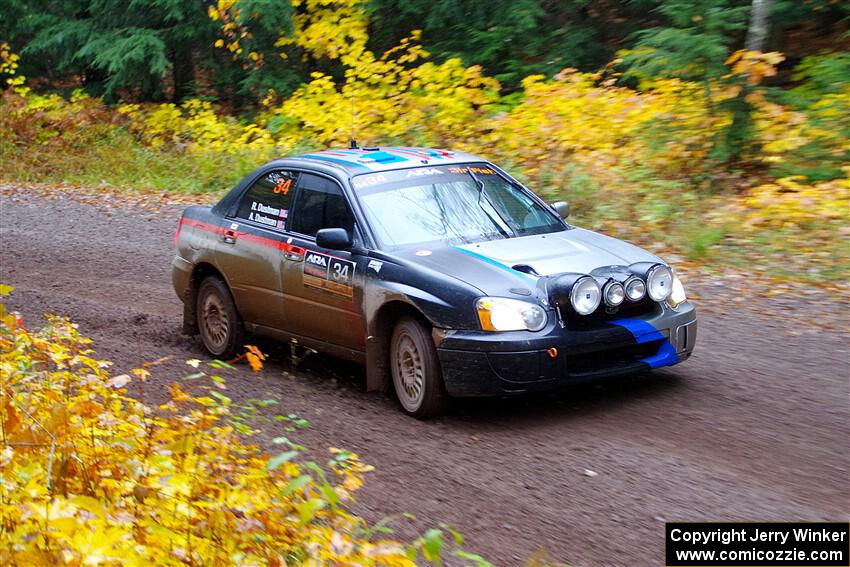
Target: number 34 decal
pixel 340 271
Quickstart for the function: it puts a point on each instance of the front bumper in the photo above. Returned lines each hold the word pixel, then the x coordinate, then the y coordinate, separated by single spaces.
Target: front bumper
pixel 477 363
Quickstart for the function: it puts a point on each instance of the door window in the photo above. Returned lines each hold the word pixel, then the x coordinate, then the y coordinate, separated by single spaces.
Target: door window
pixel 320 204
pixel 269 199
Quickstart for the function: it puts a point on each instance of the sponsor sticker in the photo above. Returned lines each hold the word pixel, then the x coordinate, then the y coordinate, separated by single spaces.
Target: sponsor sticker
pixel 476 170
pixel 368 180
pixel 329 273
pixel 375 265
pixel 268 215
pixel 423 171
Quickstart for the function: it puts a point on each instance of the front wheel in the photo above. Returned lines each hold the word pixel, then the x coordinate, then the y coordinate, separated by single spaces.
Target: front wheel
pixel 415 368
pixel 218 321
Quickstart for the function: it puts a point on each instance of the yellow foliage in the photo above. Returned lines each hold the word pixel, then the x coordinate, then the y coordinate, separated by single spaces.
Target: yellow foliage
pixel 336 29
pixel 196 127
pixel 228 13
pixel 781 130
pixel 754 64
pixel 9 65
pixel 388 98
pixel 575 119
pixel 93 476
pixel 791 203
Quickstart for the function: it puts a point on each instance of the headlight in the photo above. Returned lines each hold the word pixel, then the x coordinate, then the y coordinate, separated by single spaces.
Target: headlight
pixel 659 283
pixel 677 297
pixel 502 314
pixel 635 288
pixel 585 295
pixel 614 293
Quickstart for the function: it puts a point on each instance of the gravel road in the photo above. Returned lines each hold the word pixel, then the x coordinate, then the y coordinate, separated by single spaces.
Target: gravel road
pixel 755 426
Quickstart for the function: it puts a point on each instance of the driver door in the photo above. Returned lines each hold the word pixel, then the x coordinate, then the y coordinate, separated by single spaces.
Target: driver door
pixel 323 288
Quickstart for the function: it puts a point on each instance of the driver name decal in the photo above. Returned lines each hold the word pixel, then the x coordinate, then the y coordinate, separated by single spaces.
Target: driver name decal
pixel 329 273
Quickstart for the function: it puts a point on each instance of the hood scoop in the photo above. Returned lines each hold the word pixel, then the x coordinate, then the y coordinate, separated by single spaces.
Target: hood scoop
pixel 525 269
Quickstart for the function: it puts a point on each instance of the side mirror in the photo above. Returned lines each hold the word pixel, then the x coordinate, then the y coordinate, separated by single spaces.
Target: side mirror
pixel 334 239
pixel 562 208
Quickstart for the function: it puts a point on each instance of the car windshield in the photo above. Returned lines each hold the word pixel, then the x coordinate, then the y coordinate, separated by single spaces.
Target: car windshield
pixel 449 204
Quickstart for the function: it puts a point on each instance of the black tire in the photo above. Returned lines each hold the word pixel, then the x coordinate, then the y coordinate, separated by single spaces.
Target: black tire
pixel 415 369
pixel 219 323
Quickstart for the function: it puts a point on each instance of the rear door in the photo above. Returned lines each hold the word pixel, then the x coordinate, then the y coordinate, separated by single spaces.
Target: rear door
pixel 250 246
pixel 323 288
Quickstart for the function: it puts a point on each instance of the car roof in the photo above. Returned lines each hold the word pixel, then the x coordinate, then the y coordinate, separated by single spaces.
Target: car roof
pixel 366 160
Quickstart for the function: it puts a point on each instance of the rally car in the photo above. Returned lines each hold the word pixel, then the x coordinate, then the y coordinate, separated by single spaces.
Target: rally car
pixel 435 268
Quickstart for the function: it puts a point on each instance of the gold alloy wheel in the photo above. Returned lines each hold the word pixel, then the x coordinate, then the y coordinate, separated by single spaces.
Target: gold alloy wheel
pixel 409 373
pixel 215 323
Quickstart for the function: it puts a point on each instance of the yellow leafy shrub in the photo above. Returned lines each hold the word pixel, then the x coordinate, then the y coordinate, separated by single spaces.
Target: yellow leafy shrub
pixel 91 475
pixel 389 99
pixel 782 130
pixel 52 120
pixel 336 29
pixel 9 65
pixel 195 126
pixel 791 203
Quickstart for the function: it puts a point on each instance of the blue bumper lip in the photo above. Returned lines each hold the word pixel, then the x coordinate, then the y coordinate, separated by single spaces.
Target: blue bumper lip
pixel 644 332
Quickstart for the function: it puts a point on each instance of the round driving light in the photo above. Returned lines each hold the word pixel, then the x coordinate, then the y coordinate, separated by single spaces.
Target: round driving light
pixel 659 283
pixel 614 294
pixel 635 289
pixel 585 295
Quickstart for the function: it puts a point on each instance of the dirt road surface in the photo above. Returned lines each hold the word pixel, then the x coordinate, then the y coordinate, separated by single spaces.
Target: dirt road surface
pixel 755 426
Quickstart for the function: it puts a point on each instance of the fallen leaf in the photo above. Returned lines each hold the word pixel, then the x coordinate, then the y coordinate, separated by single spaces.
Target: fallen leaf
pixel 119 381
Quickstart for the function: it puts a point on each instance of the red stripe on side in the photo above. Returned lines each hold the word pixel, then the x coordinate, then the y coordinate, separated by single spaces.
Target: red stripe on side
pixel 261 240
pixel 214 228
pixel 177 232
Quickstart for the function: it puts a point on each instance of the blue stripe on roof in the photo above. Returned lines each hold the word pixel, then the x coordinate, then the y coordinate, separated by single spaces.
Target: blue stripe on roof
pixel 381 157
pixel 496 263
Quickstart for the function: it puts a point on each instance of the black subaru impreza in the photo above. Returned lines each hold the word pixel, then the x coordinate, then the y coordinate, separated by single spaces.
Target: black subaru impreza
pixel 435 268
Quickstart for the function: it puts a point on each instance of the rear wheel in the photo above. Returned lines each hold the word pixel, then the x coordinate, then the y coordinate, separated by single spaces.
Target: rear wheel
pixel 218 321
pixel 415 368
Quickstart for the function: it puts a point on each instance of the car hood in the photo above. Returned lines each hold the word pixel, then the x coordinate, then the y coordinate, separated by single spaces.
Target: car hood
pixel 489 265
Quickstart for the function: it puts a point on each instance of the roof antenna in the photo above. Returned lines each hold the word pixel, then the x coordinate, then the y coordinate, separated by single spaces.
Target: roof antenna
pixel 352 143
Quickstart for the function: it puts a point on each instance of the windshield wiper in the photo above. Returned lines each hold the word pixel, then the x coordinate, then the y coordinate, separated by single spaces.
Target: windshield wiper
pixel 504 222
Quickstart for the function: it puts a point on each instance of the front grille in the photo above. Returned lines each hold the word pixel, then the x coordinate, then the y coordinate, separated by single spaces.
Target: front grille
pixel 611 359
pixel 644 307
